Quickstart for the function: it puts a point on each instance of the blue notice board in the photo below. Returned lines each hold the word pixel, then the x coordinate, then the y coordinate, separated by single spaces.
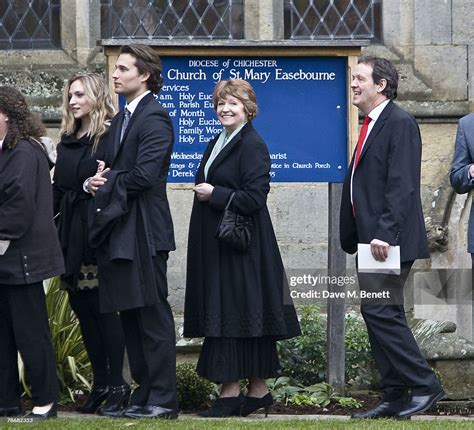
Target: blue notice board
pixel 302 112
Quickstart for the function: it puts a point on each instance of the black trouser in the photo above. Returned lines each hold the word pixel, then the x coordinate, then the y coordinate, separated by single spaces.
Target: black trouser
pixel 102 335
pixel 24 328
pixel 397 355
pixel 151 347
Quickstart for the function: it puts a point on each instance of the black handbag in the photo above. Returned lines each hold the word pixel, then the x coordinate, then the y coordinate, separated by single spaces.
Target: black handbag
pixel 235 230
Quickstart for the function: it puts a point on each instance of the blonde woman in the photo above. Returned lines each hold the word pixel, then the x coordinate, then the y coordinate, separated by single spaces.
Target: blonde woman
pixel 87 111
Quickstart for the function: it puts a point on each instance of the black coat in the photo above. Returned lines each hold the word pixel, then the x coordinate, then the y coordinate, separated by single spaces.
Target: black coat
pixel 139 166
pixel 75 163
pixel 230 293
pixel 386 188
pixel 26 217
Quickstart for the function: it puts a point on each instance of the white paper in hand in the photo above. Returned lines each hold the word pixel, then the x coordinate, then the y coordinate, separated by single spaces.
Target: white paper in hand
pixel 4 244
pixel 368 264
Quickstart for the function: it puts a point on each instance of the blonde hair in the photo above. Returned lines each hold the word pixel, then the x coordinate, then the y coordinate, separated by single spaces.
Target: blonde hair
pixel 98 95
pixel 239 89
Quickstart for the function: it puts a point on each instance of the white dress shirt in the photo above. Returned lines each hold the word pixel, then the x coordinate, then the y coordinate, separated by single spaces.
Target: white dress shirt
pixel 134 103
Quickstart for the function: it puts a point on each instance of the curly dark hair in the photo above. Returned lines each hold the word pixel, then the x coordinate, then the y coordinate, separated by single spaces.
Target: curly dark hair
pixel 146 61
pixel 22 123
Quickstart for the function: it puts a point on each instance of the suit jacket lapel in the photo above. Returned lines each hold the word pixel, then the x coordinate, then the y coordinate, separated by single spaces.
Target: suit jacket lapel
pixel 118 143
pixel 379 124
pixel 116 126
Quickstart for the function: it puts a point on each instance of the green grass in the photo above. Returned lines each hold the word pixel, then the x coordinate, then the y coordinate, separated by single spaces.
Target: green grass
pixel 236 424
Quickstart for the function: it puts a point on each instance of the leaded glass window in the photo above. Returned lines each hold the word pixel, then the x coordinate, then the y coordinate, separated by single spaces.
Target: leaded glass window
pixel 332 19
pixel 29 24
pixel 172 19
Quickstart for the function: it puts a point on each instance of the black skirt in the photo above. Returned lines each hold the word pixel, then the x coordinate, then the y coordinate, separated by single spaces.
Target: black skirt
pixel 225 359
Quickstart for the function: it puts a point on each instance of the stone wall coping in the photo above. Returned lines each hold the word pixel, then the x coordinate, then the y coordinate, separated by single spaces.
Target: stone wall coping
pixel 447 347
pixel 238 43
pixel 435 109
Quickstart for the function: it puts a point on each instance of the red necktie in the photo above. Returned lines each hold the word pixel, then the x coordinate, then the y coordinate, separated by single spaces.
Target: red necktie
pixel 360 143
pixel 362 136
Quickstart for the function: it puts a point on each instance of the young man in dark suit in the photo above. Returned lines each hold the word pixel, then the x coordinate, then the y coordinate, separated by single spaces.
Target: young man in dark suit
pixel 381 206
pixel 133 230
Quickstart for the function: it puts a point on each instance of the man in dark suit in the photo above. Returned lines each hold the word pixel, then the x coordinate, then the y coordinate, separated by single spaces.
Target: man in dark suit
pixel 133 228
pixel 462 170
pixel 462 180
pixel 381 206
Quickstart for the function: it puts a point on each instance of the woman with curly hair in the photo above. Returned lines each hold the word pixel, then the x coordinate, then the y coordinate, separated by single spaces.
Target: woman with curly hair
pixel 29 253
pixel 87 110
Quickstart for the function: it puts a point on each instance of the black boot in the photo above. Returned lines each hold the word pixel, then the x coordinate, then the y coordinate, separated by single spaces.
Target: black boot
pixel 224 407
pixel 254 403
pixel 96 397
pixel 116 402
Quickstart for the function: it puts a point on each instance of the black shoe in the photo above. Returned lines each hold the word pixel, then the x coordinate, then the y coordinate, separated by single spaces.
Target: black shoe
pixel 152 411
pixel 224 407
pixel 382 410
pixel 419 404
pixel 132 408
pixel 254 403
pixel 120 413
pixel 52 413
pixel 116 402
pixel 14 411
pixel 96 397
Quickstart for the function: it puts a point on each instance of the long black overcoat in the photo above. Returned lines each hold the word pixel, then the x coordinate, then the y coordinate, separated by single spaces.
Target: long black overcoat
pixel 75 163
pixel 231 293
pixel 26 217
pixel 136 204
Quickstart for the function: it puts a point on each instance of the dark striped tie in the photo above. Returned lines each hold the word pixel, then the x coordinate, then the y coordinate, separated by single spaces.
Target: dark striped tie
pixel 126 120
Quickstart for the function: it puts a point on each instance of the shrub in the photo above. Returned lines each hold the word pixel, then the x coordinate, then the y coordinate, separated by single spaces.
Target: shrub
pixel 193 391
pixel 282 389
pixel 320 395
pixel 303 358
pixel 360 362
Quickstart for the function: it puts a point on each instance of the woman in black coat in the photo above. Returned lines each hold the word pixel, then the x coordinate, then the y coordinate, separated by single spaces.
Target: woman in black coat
pixel 237 300
pixel 29 253
pixel 87 109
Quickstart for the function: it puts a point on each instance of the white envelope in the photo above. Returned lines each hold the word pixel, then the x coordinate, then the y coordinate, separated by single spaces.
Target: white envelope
pixel 368 264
